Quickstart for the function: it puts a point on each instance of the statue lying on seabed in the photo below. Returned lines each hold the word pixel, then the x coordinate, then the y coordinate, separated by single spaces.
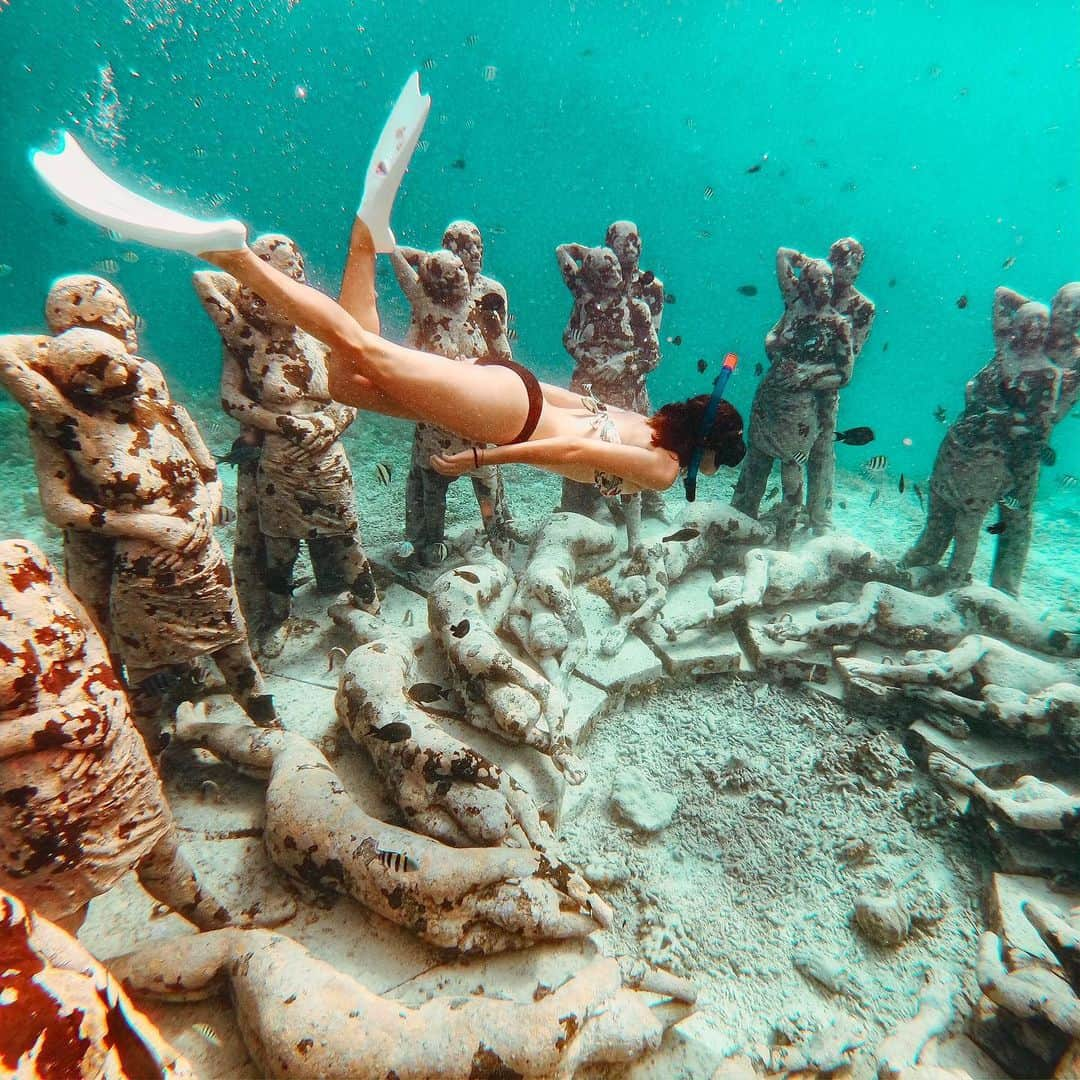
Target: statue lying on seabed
pixel 504 695
pixel 444 789
pixel 984 678
pixel 301 1017
pixel 473 900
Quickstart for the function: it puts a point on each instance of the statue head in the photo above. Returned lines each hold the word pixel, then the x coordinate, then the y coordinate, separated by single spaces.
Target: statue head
pixel 443 277
pixel 83 300
pixel 816 283
pixel 601 271
pixel 1027 331
pixel 280 252
pixel 624 239
pixel 1065 311
pixel 846 258
pixel 91 366
pixel 464 240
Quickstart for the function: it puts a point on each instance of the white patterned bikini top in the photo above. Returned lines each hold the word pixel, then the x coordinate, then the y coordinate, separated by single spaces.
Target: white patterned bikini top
pixel 604 428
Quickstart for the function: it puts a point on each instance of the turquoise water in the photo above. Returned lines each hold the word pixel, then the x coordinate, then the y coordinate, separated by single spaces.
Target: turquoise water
pixel 945 136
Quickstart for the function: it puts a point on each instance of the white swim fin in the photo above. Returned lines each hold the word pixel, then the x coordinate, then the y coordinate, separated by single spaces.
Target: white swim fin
pixel 390 160
pixel 78 183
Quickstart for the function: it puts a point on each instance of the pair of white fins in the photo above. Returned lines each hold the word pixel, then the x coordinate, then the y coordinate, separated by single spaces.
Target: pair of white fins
pixel 78 183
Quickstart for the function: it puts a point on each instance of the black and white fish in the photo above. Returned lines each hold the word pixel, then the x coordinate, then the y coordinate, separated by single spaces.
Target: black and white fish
pixel 208 1033
pixel 398 861
pixel 876 464
pixel 1067 480
pixel 129 256
pixel 940 415
pixel 107 266
pixel 1010 501
pixel 801 458
pixel 226 515
pixel 1048 455
pixel 709 192
pixel 490 72
pixel 241 452
pixel 383 472
pixel 440 552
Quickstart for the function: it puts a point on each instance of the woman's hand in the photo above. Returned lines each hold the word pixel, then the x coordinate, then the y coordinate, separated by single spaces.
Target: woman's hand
pixel 457 464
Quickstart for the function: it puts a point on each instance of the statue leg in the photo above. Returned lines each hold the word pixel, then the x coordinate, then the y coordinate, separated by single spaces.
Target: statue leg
pixel 753 478
pixel 578 498
pixel 631 506
pixel 488 489
pixel 249 551
pixel 281 556
pixel 434 487
pixel 821 468
pixel 1010 555
pixel 245 682
pixel 936 535
pixel 169 878
pixel 340 562
pixel 414 506
pixel 791 482
pixel 965 545
pixel 88 570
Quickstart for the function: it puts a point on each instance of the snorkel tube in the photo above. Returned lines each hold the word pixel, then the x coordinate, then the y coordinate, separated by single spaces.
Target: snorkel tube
pixel 707 422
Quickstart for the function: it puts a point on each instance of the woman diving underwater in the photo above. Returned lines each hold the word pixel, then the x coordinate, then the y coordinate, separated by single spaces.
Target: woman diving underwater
pixel 495 401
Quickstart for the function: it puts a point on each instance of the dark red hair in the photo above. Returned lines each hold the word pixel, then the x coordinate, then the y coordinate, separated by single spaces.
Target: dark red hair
pixel 676 427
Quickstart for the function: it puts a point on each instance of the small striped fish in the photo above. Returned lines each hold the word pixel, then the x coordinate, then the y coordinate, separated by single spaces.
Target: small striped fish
pixel 107 266
pixel 801 458
pixel 709 192
pixel 440 552
pixel 200 152
pixel 429 63
pixel 129 256
pixel 208 1033
pixel 398 861
pixel 1067 481
pixel 490 72
pixel 471 40
pixel 876 463
pixel 216 201
pixel 1010 502
pixel 382 472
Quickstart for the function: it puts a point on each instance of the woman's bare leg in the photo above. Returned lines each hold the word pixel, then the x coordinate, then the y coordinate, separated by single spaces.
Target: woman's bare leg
pixel 482 404
pixel 358 296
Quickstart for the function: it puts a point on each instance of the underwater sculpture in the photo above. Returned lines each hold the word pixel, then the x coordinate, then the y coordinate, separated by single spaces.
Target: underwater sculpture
pixel 810 351
pixel 894 616
pixel 444 788
pixel 1030 448
pixel 80 801
pixel 846 258
pixel 504 695
pixel 1027 989
pixel 773 577
pixel 612 338
pixel 274 384
pixel 62 1014
pixel 458 313
pixel 1013 689
pixel 473 900
pixel 142 476
pixel 994 445
pixel 301 1017
pixel 1028 803
pixel 93 303
pixel 543 615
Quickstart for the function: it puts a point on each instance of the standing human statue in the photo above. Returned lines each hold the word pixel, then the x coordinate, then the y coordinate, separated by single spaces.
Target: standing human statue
pixel 846 259
pixel 137 471
pixel 460 313
pixel 612 338
pixel 274 383
pixel 810 353
pixel 994 444
pixel 1030 449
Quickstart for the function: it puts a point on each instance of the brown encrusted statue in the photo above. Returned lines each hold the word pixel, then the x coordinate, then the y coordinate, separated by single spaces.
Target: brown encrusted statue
pixel 274 383
pixel 1011 405
pixel 612 339
pixel 810 352
pixel 63 1014
pixel 80 802
pixel 137 471
pixel 459 313
pixel 96 304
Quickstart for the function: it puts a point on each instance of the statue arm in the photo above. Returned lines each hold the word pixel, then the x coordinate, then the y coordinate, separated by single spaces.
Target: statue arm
pixel 51 729
pixel 787 261
pixel 18 376
pixel 238 403
pixel 569 257
pixel 641 324
pixel 406 274
pixel 217 291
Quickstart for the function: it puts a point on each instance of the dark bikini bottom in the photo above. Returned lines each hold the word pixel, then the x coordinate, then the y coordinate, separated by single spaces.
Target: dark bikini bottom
pixel 532 388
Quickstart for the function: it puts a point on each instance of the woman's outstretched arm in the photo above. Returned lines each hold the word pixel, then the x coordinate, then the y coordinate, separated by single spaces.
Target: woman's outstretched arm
pixel 639 468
